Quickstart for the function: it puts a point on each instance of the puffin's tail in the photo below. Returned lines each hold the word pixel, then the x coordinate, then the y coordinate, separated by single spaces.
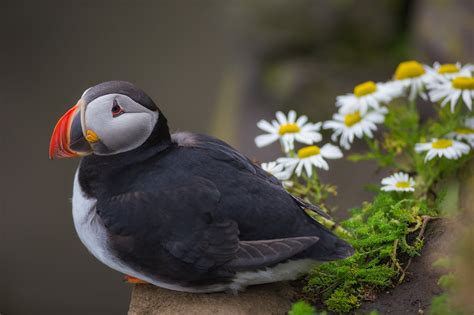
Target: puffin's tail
pixel 329 247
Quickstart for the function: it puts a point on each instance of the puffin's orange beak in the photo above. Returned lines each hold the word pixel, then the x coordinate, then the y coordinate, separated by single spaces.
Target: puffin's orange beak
pixel 67 139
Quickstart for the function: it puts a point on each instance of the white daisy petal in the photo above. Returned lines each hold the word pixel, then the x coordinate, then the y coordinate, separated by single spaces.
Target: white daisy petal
pixel 291 116
pixel 276 170
pixel 445 101
pixel 466 97
pixel 388 181
pixel 281 118
pixel 308 167
pixel 323 164
pixel 398 182
pixel 302 120
pixel 354 124
pixel 266 126
pixel 430 155
pixel 308 156
pixel 454 99
pixel 264 140
pixel 330 151
pixel 450 88
pixel 288 130
pixel 316 161
pixel 302 139
pixel 310 137
pixel 276 125
pixel 299 168
pixel 447 148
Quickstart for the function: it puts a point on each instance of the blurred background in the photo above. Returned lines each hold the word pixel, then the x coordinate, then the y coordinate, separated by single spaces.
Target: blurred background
pixel 212 66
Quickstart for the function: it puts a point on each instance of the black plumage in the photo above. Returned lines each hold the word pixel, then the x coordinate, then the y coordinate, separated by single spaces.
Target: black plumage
pixel 192 210
pixel 119 87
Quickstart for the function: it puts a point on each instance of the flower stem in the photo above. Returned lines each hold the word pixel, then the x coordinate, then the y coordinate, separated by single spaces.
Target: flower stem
pixel 412 106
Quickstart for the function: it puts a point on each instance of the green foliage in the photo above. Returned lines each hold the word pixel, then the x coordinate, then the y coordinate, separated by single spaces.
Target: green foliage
pixel 403 131
pixel 342 301
pixel 386 229
pixel 313 190
pixel 444 263
pixel 388 232
pixel 441 305
pixel 379 235
pixel 396 145
pixel 446 281
pixel 376 153
pixel 302 308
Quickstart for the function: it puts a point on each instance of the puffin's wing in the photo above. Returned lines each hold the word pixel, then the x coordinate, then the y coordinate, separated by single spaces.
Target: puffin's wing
pixel 306 205
pixel 182 221
pixel 220 150
pixel 258 254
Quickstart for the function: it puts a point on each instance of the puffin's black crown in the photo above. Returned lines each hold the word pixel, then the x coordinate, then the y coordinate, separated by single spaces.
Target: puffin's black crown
pixel 120 87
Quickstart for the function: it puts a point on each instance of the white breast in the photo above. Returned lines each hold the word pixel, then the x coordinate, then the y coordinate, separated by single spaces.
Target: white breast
pixel 91 232
pixel 94 236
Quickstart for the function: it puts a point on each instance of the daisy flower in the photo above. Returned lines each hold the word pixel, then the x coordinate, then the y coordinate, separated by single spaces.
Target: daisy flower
pixel 288 130
pixel 368 94
pixel 310 156
pixel 412 75
pixel 276 170
pixel 453 90
pixel 450 149
pixel 354 124
pixel 398 182
pixel 450 71
pixel 465 133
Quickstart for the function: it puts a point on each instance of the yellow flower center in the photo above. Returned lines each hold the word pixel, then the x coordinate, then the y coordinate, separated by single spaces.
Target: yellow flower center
pixel 442 144
pixel 288 128
pixel 464 131
pixel 365 88
pixel 463 83
pixel 308 151
pixel 402 185
pixel 409 69
pixel 448 68
pixel 352 119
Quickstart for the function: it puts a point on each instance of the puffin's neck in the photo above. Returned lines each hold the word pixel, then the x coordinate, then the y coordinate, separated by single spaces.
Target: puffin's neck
pixel 94 168
pixel 160 134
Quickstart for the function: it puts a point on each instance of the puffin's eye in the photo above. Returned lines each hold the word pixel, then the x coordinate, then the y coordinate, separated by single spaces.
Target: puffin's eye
pixel 116 109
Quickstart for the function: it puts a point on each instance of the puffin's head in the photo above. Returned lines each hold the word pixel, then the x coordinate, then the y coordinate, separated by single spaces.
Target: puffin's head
pixel 110 118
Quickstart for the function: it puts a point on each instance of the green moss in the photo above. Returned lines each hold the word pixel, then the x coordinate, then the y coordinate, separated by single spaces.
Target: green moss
pixel 302 308
pixel 379 235
pixel 342 301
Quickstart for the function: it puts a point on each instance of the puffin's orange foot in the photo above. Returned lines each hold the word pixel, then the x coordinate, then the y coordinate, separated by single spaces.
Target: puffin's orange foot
pixel 130 279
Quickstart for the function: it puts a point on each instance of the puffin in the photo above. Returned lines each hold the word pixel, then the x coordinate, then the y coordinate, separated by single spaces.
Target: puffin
pixel 181 211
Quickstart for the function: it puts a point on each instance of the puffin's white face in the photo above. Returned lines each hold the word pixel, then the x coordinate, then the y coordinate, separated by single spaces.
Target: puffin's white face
pixel 115 123
pixel 111 117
